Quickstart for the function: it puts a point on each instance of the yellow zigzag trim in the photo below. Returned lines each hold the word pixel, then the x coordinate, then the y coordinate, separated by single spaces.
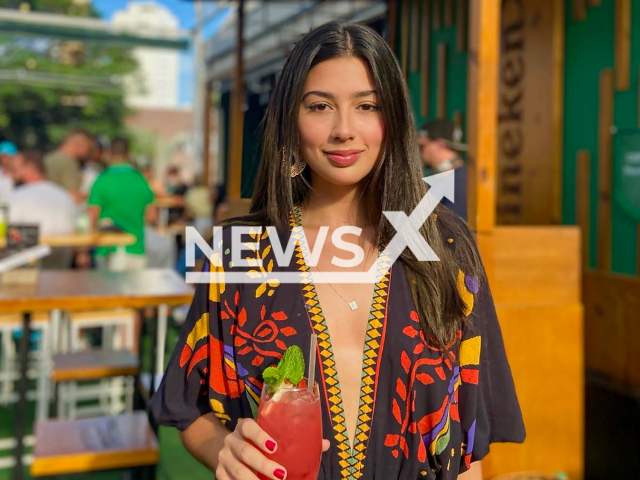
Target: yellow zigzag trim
pixel 351 462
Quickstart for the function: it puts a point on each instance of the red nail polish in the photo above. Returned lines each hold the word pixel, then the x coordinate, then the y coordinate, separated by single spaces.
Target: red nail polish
pixel 271 445
pixel 279 473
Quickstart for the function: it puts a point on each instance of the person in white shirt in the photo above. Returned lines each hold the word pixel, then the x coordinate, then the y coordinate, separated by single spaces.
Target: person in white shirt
pixel 8 151
pixel 37 201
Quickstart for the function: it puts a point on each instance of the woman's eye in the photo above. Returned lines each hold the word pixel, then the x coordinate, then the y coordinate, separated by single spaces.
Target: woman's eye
pixel 319 107
pixel 369 107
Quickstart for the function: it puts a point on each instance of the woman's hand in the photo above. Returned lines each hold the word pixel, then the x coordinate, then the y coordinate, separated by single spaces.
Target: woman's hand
pixel 245 451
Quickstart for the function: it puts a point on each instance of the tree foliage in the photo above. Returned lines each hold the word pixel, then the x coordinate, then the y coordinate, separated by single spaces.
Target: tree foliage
pixel 46 91
pixel 65 7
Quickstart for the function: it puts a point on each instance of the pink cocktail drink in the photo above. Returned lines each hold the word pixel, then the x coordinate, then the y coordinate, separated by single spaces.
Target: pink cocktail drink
pixel 292 417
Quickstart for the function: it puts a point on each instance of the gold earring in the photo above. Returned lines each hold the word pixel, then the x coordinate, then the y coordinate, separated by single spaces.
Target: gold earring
pixel 297 167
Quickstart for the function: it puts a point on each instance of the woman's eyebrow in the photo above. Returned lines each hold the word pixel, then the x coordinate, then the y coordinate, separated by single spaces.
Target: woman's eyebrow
pixel 320 94
pixel 364 93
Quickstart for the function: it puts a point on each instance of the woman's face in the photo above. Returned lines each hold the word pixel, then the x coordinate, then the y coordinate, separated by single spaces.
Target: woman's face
pixel 340 125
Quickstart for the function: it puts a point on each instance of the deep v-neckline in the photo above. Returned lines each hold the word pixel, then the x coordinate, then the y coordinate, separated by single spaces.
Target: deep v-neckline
pixel 351 457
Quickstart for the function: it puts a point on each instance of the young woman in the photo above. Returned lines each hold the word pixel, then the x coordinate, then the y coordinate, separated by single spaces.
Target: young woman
pixel 434 388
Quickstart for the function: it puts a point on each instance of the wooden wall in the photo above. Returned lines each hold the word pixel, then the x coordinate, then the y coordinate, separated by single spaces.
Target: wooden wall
pixel 484 20
pixel 535 278
pixel 530 112
pixel 612 328
pixel 432 42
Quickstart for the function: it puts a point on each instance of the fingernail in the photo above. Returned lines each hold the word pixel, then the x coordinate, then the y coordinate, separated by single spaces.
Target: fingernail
pixel 271 445
pixel 279 473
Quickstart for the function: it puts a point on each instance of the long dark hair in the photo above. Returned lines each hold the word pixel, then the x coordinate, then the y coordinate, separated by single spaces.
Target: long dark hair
pixel 395 184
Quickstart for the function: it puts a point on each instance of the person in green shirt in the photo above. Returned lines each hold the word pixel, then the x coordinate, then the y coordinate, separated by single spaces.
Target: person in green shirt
pixel 121 194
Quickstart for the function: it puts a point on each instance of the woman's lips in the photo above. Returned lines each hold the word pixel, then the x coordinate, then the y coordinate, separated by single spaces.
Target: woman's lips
pixel 343 158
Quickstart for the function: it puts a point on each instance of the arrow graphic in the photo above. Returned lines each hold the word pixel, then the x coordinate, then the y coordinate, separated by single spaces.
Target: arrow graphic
pixel 408 228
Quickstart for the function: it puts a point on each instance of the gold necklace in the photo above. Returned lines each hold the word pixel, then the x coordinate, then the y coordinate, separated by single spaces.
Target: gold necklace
pixel 352 304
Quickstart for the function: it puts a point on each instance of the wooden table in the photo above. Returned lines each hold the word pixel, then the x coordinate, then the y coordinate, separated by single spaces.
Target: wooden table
pixel 87 240
pixel 94 444
pixel 85 290
pixel 172 230
pixel 169 201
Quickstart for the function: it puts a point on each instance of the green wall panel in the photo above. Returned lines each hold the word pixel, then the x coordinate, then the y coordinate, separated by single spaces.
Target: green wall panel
pixel 589 49
pixel 456 67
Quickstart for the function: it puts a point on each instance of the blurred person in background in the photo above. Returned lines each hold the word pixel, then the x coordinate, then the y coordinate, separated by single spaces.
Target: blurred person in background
pixel 177 188
pixel 441 148
pixel 220 205
pixel 160 248
pixel 37 201
pixel 120 196
pixel 219 212
pixel 8 150
pixel 198 203
pixel 156 185
pixel 63 166
pixel 92 167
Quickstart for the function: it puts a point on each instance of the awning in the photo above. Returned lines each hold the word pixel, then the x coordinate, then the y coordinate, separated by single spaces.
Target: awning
pixel 271 28
pixel 89 30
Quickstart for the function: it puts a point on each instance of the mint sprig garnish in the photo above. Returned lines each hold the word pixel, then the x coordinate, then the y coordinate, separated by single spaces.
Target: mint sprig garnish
pixel 290 368
pixel 271 376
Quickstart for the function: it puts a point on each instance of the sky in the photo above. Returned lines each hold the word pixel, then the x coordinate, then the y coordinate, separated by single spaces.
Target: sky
pixel 184 11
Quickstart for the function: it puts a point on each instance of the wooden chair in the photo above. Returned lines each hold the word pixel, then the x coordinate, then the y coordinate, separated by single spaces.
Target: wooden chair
pixel 67 447
pixel 92 365
pixel 117 327
pixel 117 330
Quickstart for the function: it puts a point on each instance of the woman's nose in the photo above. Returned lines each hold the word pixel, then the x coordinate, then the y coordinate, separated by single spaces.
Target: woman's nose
pixel 343 128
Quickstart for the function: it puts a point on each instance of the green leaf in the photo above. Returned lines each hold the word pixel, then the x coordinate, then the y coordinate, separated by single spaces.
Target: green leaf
pixel 291 365
pixel 271 377
pixel 254 406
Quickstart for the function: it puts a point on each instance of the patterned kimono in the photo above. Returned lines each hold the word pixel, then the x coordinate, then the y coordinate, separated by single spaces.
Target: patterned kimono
pixel 422 414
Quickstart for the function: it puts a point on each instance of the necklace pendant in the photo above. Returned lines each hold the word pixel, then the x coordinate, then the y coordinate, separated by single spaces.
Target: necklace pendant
pixel 353 305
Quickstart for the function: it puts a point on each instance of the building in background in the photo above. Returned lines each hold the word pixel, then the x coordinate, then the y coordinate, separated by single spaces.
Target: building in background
pixel 162 127
pixel 156 84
